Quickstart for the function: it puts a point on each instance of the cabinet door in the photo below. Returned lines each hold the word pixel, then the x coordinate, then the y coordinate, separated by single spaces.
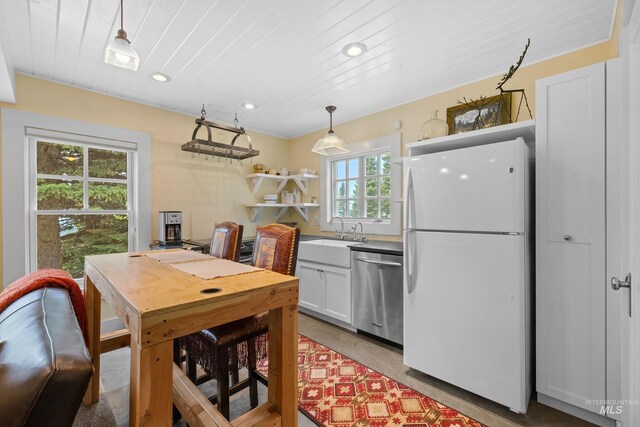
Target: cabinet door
pixel 337 300
pixel 311 286
pixel 570 228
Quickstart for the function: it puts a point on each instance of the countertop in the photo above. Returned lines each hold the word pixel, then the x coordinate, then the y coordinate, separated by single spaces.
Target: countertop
pixel 375 246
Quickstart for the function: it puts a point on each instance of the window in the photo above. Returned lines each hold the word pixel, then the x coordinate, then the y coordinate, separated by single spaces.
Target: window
pixel 80 202
pixel 363 186
pixel 89 178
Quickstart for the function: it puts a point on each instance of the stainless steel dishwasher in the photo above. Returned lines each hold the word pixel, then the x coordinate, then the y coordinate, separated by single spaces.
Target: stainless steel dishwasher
pixel 376 281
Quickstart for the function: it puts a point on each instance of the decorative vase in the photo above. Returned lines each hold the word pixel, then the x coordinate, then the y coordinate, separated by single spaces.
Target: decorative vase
pixel 434 127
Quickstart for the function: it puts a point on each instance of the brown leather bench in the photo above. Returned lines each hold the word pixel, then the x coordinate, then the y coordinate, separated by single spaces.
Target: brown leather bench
pixel 44 364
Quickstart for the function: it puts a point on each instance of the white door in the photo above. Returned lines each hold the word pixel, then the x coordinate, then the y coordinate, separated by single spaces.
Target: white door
pixel 464 315
pixel 617 213
pixel 473 189
pixel 570 243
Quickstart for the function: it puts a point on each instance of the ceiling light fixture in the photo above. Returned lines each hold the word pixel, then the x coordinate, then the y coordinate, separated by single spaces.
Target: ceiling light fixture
pixel 249 105
pixel 330 144
pixel 160 77
pixel 119 52
pixel 354 49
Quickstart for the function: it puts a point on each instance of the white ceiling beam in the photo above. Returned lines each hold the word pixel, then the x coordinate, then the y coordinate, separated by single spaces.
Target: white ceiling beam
pixel 7 80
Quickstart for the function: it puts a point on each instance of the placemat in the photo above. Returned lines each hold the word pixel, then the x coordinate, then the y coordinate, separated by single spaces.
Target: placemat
pixel 174 257
pixel 213 269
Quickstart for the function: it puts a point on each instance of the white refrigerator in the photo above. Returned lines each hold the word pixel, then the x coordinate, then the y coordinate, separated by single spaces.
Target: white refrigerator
pixel 466 271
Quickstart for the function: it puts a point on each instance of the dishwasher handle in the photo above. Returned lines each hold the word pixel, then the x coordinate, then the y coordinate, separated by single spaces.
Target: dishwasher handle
pixel 371 261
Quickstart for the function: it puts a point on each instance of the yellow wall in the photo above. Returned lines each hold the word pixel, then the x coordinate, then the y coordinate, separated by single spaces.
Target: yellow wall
pixel 415 113
pixel 206 189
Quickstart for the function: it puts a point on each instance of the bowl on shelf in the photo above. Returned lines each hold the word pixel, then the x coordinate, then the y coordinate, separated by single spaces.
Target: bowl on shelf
pixel 270 198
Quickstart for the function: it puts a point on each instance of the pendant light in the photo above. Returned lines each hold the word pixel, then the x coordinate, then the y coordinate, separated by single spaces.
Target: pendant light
pixel 330 144
pixel 119 52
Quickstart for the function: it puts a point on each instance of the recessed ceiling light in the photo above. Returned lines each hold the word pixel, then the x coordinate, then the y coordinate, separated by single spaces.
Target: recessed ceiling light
pixel 249 105
pixel 354 49
pixel 160 77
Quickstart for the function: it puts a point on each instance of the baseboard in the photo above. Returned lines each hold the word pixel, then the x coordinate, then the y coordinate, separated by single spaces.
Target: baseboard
pixel 327 319
pixel 575 411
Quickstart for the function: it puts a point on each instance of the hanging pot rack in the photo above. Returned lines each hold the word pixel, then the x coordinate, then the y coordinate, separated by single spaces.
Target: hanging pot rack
pixel 212 148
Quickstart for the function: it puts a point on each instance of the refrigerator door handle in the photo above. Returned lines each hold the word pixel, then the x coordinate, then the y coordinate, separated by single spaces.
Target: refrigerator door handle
pixel 408 195
pixel 409 248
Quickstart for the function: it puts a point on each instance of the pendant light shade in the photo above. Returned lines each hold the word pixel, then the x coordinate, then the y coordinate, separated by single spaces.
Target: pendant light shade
pixel 330 144
pixel 119 52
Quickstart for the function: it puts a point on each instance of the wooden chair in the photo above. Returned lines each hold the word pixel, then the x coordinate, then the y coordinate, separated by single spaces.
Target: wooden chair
pixel 276 249
pixel 225 243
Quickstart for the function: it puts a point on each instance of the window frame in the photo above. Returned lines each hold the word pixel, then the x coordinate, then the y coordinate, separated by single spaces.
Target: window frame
pixel 361 178
pixel 390 143
pixel 17 127
pixel 85 179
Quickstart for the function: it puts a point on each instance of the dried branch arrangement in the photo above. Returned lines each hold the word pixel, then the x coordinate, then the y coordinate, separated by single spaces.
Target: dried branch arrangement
pixel 506 77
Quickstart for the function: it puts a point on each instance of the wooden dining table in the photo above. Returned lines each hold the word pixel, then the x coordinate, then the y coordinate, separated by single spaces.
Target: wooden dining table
pixel 157 304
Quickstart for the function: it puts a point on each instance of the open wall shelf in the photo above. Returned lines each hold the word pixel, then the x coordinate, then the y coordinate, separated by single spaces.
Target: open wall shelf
pixel 301 208
pixel 301 181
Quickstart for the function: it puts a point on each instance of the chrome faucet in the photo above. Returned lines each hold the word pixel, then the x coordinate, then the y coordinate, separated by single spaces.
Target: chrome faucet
pixel 341 234
pixel 355 232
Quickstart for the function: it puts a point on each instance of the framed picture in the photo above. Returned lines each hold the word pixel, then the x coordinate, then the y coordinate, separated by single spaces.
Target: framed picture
pixel 494 111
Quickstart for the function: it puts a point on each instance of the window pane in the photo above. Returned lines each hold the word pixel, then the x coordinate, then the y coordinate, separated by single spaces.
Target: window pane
pixel 385 186
pixel 353 168
pixel 341 169
pixel 59 194
pixel 341 208
pixel 58 159
pixel 353 188
pixel 341 190
pixel 372 187
pixel 385 208
pixel 354 209
pixel 371 208
pixel 64 241
pixel 107 164
pixel 104 195
pixel 386 166
pixel 371 165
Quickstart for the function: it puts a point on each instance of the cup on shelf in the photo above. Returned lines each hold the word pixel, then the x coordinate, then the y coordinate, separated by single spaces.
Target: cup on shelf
pixel 304 171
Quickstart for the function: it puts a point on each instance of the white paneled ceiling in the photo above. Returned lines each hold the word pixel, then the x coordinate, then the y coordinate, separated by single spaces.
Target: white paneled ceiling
pixel 286 55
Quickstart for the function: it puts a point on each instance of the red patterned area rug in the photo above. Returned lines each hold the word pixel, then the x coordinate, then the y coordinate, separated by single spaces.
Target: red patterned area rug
pixel 337 391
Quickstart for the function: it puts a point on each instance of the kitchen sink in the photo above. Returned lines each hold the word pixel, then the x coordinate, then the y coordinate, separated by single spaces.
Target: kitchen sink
pixel 326 251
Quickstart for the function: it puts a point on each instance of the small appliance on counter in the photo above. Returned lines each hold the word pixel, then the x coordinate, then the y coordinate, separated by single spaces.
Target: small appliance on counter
pixel 170 223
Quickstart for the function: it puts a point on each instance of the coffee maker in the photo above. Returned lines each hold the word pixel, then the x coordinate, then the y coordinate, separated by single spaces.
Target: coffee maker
pixel 170 233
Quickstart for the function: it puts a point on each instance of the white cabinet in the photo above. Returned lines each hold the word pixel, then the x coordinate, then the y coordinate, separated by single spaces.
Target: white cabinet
pixel 571 279
pixel 325 290
pixel 311 286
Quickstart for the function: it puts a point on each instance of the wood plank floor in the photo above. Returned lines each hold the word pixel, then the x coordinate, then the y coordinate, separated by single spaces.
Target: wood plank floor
pixel 377 356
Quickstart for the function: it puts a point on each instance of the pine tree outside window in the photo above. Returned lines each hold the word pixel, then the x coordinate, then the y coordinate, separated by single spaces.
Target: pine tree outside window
pixel 365 186
pixel 81 203
pixel 362 187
